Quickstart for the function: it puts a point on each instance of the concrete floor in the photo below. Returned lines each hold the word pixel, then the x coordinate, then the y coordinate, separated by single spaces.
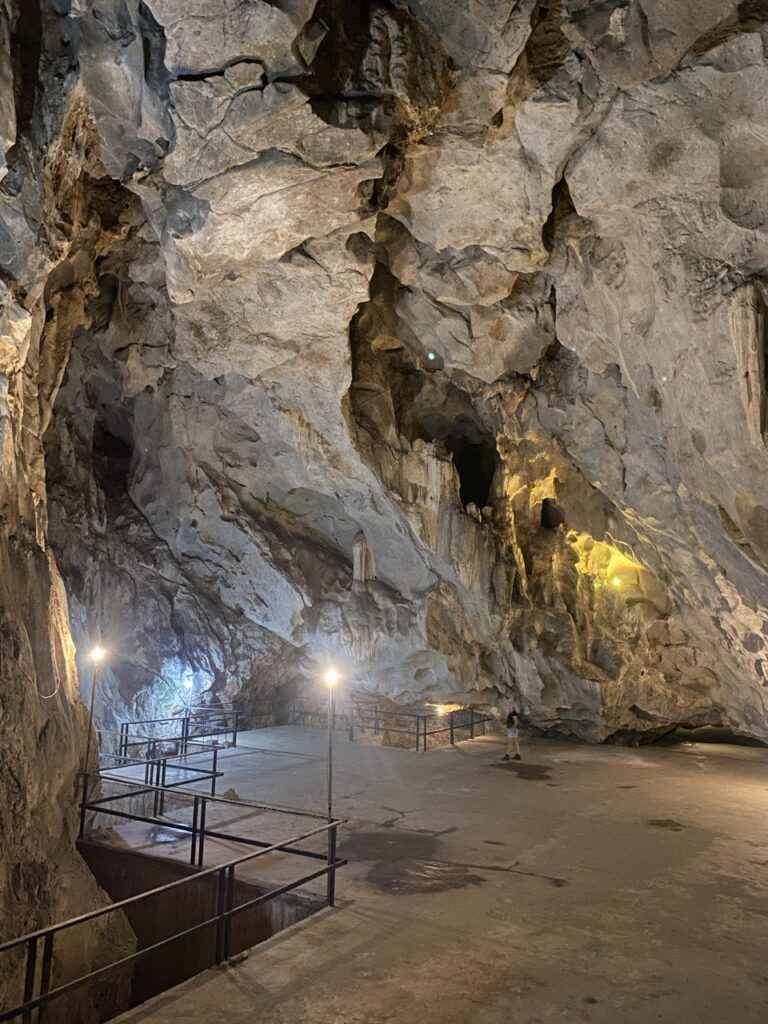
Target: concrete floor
pixel 582 884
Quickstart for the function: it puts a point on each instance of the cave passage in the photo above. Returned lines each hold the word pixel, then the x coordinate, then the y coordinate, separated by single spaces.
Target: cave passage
pixel 551 515
pixel 476 464
pixel 111 460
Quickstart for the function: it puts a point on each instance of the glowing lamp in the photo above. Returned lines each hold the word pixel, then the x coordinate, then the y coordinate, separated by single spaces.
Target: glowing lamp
pixel 431 356
pixel 331 677
pixel 97 654
pixel 188 682
pixel 616 581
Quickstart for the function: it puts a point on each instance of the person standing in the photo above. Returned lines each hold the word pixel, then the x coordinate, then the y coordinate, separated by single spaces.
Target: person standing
pixel 513 732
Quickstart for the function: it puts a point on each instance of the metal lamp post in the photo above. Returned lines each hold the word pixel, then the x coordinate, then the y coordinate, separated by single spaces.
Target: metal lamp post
pixel 95 656
pixel 331 679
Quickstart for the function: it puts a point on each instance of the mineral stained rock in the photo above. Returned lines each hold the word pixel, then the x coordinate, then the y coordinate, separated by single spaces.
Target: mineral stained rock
pixel 426 338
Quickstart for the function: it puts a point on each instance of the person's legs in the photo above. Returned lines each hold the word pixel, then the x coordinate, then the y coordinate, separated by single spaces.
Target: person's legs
pixel 510 741
pixel 517 749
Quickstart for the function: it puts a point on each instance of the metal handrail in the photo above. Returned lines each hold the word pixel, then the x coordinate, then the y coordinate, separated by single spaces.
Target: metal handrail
pixel 225 909
pixel 235 862
pixel 300 812
pixel 381 719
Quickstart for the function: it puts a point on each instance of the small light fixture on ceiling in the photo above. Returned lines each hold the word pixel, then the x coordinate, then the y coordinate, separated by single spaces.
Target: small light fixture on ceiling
pixel 431 356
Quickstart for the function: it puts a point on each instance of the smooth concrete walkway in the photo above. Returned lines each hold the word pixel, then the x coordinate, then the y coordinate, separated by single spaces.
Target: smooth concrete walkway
pixel 582 884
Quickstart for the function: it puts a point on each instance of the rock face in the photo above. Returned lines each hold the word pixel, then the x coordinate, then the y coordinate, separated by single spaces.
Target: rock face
pixel 44 247
pixel 426 338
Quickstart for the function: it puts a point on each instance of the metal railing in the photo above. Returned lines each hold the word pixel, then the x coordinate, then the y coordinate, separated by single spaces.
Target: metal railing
pixel 192 725
pixel 157 765
pixel 356 716
pixel 37 991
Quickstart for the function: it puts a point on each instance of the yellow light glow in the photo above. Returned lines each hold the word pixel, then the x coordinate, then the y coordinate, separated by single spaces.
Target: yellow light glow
pixel 444 709
pixel 97 654
pixel 331 677
pixel 616 581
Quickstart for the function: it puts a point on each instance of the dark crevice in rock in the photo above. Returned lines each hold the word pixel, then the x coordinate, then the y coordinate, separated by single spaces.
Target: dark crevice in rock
pixel 26 53
pixel 562 210
pixel 547 46
pixel 112 457
pixel 476 464
pixel 153 43
pixel 346 28
pixel 221 71
pixel 750 16
pixel 551 515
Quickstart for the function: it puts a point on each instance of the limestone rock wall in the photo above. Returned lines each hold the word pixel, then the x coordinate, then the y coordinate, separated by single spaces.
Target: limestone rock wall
pixel 45 246
pixel 484 284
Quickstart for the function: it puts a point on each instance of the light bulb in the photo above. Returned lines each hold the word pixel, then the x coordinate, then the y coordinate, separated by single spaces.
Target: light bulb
pixel 331 677
pixel 431 356
pixel 97 654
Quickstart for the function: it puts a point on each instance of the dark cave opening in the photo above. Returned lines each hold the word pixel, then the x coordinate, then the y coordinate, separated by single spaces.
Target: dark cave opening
pixel 112 457
pixel 551 515
pixel 26 50
pixel 476 463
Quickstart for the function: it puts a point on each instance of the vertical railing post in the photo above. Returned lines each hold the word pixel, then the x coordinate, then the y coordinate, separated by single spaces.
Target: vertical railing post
pixel 201 831
pixel 84 804
pixel 29 978
pixel 471 723
pixel 214 769
pixel 376 721
pixel 45 975
pixel 351 721
pixel 451 714
pixel 193 849
pixel 230 905
pixel 235 726
pixel 331 877
pixel 163 780
pixel 185 734
pixel 221 906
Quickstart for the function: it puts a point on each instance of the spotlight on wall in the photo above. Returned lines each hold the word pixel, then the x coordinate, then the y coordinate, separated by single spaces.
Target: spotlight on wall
pixel 331 677
pixel 188 681
pixel 97 654
pixel 431 356
pixel 616 581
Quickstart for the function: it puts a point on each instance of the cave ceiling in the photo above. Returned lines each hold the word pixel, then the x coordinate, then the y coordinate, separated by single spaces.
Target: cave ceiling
pixel 484 283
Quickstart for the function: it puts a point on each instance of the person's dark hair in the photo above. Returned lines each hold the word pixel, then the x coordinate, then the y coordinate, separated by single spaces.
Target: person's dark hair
pixel 511 718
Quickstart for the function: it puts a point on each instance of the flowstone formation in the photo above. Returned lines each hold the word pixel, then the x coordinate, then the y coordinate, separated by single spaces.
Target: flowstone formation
pixel 428 338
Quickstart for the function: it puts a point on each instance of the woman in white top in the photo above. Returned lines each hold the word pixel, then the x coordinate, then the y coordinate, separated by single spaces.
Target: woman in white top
pixel 513 742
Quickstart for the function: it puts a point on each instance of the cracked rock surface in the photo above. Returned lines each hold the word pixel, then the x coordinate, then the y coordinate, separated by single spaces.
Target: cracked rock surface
pixel 476 291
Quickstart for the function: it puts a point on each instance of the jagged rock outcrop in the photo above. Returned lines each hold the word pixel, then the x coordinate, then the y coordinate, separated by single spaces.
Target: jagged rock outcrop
pixel 47 240
pixel 484 284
